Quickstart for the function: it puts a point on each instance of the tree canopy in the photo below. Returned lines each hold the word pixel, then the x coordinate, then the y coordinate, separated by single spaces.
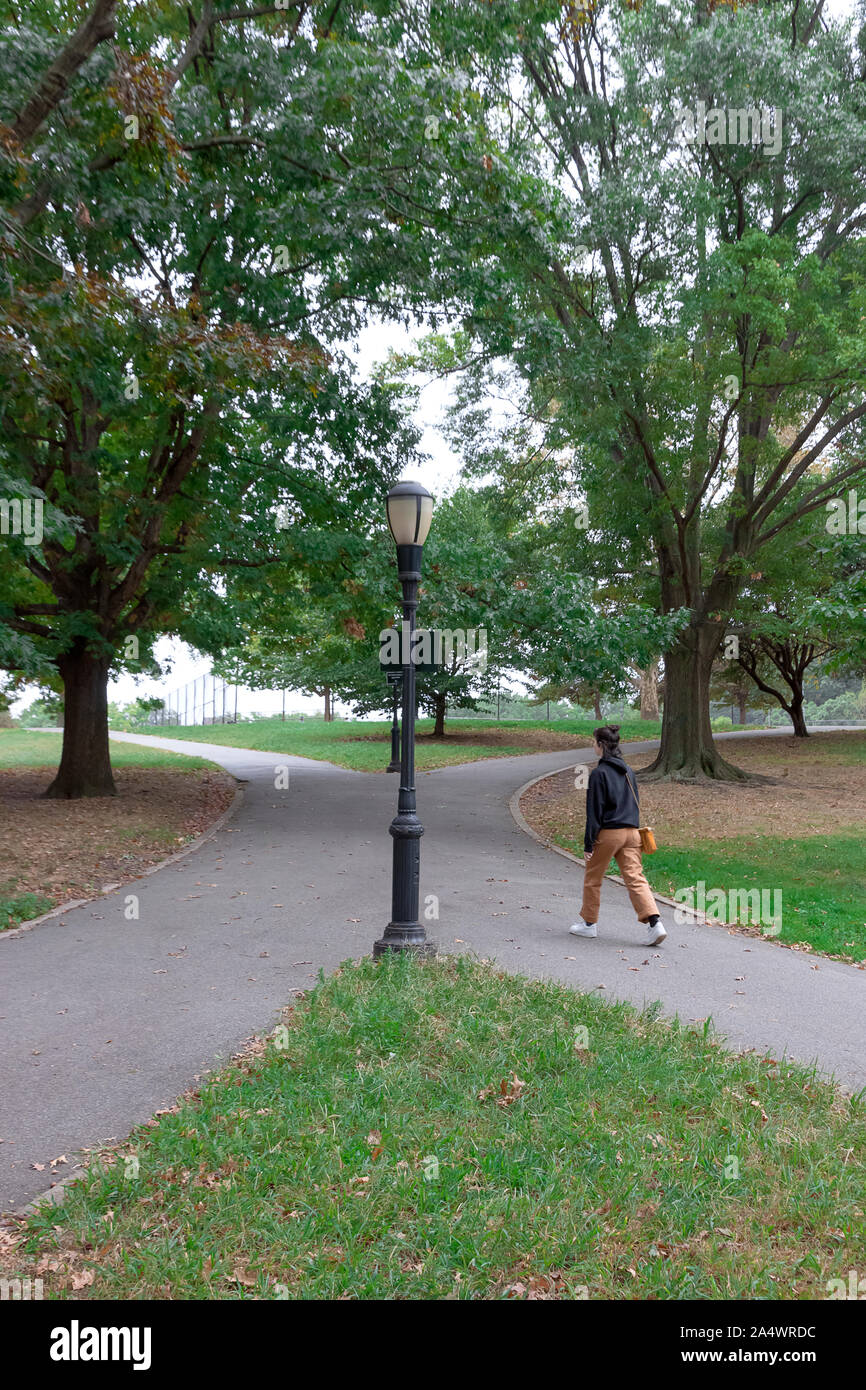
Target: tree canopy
pixel 194 216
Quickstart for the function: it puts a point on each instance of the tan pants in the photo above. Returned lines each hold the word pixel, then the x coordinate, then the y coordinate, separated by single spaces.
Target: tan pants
pixel 624 847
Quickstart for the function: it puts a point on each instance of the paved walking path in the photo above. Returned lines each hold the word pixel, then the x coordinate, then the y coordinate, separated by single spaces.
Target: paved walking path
pixel 105 1020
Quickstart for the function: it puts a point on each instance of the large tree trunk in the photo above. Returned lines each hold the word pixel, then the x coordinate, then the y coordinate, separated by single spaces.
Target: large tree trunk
pixel 743 698
pixel 85 763
pixel 439 710
pixel 596 704
pixel 687 752
pixel 649 692
pixel 329 715
pixel 795 710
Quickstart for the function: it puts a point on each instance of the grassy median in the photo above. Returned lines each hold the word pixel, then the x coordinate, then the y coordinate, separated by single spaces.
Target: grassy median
pixel 365 745
pixel 27 748
pixel 444 1130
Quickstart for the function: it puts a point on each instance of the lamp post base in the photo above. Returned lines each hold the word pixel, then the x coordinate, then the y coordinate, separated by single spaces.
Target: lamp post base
pixel 393 767
pixel 400 938
pixel 405 932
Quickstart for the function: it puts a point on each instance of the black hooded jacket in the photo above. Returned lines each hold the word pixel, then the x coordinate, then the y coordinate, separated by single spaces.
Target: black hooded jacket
pixel 610 802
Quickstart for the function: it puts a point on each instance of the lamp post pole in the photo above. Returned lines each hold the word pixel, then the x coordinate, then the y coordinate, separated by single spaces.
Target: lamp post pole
pixel 394 764
pixel 404 932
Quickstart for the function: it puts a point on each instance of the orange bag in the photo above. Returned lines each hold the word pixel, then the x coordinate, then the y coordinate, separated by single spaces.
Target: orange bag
pixel 647 838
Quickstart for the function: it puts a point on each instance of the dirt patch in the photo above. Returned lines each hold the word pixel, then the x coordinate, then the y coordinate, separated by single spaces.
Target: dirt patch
pixel 69 849
pixel 818 785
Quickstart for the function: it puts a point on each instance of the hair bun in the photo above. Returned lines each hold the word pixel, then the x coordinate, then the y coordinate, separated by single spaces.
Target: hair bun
pixel 614 728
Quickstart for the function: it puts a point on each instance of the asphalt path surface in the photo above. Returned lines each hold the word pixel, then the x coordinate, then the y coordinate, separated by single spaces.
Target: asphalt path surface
pixel 106 1019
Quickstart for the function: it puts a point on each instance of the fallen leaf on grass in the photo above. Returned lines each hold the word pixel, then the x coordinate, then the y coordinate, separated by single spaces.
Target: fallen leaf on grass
pixel 537 1286
pixel 509 1091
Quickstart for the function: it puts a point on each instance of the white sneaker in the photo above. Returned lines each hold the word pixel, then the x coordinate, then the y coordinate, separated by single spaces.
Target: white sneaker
pixel 655 934
pixel 583 929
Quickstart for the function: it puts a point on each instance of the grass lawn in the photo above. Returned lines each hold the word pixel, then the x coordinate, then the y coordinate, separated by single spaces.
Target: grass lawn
pixel 822 881
pixel 442 1130
pixel 54 851
pixel 24 748
pixel 802 835
pixel 366 745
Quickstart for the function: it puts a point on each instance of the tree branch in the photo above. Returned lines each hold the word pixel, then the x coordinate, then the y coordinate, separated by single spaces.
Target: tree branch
pixel 51 88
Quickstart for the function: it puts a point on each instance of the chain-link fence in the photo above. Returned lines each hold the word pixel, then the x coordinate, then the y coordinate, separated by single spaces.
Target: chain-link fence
pixel 206 700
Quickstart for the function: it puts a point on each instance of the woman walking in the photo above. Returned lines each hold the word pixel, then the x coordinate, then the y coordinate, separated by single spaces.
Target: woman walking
pixel 612 821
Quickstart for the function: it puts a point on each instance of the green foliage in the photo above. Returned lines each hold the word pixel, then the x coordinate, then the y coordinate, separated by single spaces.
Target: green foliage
pixel 16 908
pixel 805 607
pixel 177 305
pixel 133 716
pixel 175 392
pixel 678 329
pixel 842 707
pixel 484 571
pixel 43 713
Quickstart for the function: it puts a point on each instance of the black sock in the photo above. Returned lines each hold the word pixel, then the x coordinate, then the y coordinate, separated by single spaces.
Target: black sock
pixel 651 921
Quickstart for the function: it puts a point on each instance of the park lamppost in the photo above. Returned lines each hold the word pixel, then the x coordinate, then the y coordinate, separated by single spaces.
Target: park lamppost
pixel 395 680
pixel 410 511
